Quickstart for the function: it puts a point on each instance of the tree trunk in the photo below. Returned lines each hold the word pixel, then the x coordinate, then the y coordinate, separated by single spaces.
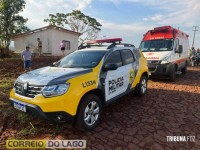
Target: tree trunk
pixel 7 47
pixel 2 54
pixel 7 51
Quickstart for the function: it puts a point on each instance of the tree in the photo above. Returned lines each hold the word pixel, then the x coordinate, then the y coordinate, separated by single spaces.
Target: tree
pixel 77 21
pixel 11 22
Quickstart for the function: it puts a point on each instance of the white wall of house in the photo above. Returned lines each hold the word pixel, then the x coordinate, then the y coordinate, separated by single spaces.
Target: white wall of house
pixel 58 36
pixel 51 39
pixel 31 40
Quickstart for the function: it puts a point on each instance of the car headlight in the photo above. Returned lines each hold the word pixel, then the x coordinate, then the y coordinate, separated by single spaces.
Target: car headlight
pixel 165 60
pixel 55 90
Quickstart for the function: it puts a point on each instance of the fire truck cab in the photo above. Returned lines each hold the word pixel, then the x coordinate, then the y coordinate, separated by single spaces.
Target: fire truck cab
pixel 166 50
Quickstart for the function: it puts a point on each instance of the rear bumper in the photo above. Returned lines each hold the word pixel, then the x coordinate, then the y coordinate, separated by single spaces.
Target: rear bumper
pixel 160 69
pixel 57 117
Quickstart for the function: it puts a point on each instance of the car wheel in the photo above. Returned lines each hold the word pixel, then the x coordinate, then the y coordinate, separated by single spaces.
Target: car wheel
pixel 89 113
pixel 184 70
pixel 142 87
pixel 172 75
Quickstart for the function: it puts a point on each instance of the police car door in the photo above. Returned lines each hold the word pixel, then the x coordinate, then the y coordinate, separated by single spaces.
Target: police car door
pixel 116 81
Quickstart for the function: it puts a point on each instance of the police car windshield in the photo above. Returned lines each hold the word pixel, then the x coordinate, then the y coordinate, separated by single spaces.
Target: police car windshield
pixel 81 59
pixel 157 45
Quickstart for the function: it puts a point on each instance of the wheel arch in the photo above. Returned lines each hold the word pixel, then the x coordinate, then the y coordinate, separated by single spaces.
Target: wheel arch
pixel 146 75
pixel 96 92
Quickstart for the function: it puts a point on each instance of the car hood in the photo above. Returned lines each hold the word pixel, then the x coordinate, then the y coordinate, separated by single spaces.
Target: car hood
pixel 51 75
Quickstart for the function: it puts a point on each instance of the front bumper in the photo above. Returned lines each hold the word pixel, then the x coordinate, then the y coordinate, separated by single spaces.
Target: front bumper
pixel 160 69
pixel 57 116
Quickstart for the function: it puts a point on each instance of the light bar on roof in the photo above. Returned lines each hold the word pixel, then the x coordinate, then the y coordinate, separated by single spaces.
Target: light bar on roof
pixel 162 28
pixel 105 41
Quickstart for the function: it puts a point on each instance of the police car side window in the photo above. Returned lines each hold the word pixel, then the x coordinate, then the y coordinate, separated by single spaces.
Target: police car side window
pixel 127 57
pixel 115 58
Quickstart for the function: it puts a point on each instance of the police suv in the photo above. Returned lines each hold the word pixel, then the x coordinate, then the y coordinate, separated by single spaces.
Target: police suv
pixel 76 88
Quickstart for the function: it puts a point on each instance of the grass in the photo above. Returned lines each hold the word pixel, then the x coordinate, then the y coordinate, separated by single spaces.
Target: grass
pixel 22 118
pixel 30 130
pixel 3 103
pixel 6 83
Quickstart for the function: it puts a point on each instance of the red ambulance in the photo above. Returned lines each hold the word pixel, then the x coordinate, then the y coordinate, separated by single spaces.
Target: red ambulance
pixel 166 50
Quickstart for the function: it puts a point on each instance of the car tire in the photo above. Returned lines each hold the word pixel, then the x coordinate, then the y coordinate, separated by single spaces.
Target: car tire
pixel 172 75
pixel 141 89
pixel 184 70
pixel 89 113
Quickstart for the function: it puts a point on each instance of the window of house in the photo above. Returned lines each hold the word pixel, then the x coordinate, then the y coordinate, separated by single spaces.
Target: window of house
pixel 67 44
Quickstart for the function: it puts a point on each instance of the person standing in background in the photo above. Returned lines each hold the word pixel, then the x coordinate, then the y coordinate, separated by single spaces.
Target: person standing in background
pixel 62 47
pixel 198 56
pixel 39 46
pixel 26 57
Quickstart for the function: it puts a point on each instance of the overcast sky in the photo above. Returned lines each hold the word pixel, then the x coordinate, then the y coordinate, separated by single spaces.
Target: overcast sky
pixel 128 19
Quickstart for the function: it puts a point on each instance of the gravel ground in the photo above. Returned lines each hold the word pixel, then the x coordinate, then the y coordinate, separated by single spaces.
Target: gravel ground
pixel 168 109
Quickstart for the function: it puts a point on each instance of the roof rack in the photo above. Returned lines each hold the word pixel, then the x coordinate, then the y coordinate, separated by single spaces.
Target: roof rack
pixel 99 43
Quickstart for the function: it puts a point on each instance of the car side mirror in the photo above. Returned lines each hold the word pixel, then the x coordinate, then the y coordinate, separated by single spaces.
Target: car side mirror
pixel 179 49
pixel 108 67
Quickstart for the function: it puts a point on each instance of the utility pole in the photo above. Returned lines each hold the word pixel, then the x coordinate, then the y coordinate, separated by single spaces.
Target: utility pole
pixel 195 30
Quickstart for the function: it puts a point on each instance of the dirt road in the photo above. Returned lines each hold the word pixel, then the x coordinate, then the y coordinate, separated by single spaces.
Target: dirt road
pixel 168 109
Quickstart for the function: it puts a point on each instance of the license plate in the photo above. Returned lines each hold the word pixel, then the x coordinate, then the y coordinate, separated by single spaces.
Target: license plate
pixel 20 106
